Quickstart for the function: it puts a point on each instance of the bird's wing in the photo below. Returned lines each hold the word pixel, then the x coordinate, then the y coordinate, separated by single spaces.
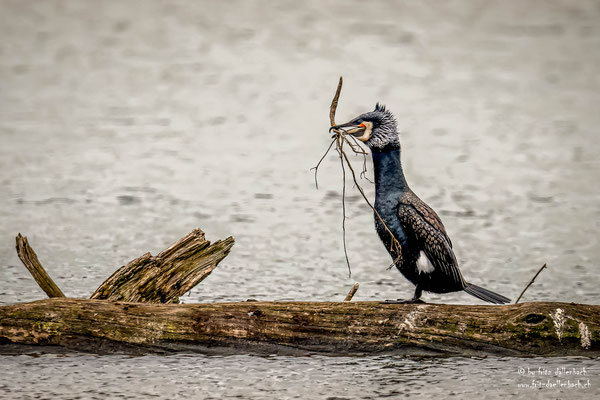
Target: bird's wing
pixel 426 213
pixel 433 241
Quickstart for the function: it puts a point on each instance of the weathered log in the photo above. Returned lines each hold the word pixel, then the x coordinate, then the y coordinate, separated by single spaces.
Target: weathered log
pixel 526 329
pixel 168 275
pixel 33 265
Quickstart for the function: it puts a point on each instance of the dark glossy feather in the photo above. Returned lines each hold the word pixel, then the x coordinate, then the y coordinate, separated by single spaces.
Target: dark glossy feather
pixel 431 238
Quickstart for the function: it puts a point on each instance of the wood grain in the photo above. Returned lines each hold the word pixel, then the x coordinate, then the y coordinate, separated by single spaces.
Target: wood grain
pixel 33 265
pixel 168 275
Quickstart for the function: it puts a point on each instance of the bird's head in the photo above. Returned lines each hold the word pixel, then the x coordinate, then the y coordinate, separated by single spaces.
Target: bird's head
pixel 377 129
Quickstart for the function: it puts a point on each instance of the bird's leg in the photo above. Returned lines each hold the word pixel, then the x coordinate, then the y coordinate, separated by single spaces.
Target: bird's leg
pixel 417 296
pixel 416 299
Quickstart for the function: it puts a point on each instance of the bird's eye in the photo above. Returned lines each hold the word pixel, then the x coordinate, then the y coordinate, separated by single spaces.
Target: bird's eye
pixel 359 121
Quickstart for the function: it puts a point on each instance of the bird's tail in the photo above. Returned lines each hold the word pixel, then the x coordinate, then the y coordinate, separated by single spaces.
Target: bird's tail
pixel 485 295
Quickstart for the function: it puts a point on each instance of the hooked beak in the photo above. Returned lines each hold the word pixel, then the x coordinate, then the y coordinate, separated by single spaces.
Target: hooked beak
pixel 351 129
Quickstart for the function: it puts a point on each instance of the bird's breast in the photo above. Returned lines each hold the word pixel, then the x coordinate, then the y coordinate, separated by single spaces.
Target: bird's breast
pixel 387 210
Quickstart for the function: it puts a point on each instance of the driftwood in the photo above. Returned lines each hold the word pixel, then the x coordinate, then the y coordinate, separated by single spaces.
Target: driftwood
pixel 33 265
pixel 527 329
pixel 165 277
pixel 147 279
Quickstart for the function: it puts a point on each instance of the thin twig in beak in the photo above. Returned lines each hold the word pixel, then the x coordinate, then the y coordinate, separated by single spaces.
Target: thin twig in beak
pixel 339 138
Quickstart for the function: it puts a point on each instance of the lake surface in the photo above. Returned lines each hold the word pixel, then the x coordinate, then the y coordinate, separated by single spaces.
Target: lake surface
pixel 124 125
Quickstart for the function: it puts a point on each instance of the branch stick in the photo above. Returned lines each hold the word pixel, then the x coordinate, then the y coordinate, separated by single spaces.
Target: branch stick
pixel 340 150
pixel 334 102
pixel 31 262
pixel 530 283
pixel 352 292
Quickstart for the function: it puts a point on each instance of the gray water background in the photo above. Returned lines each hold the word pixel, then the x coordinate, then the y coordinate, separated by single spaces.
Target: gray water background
pixel 124 125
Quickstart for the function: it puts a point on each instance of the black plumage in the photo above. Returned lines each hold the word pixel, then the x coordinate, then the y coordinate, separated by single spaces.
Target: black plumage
pixel 425 256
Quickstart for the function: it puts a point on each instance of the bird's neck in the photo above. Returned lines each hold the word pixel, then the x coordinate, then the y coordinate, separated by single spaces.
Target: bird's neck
pixel 389 177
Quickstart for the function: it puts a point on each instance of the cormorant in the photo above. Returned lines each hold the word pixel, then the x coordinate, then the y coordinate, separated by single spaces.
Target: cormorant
pixel 425 256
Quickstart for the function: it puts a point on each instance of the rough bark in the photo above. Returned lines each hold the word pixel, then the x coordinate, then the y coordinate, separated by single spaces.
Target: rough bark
pixel 168 275
pixel 527 329
pixel 31 262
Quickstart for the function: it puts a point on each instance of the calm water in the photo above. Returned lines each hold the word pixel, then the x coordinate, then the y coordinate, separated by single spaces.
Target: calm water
pixel 124 125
